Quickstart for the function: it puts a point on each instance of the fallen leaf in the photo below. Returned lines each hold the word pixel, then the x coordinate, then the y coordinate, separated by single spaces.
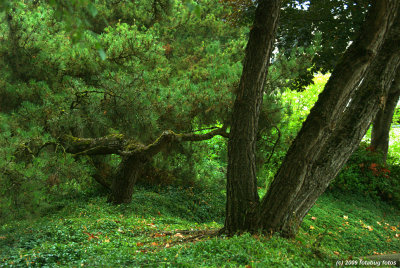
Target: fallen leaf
pixel 90 236
pixel 158 235
pixel 139 244
pixel 345 217
pixel 393 228
pixel 379 223
pixel 179 235
pixel 314 218
pixel 312 227
pixel 167 245
pixel 370 228
pixel 336 253
pixel 397 235
pixel 154 244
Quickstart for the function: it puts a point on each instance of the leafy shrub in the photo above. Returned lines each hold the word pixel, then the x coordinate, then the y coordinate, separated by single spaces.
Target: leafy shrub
pixel 366 173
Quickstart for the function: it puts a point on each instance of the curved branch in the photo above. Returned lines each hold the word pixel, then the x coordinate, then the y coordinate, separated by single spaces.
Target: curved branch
pixel 111 144
pixel 119 144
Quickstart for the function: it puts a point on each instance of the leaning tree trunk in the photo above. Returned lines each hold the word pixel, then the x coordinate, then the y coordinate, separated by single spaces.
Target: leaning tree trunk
pixel 383 121
pixel 242 194
pixel 336 124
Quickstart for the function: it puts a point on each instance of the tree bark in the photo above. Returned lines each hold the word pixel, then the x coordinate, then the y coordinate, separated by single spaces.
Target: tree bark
pixel 125 179
pixel 242 194
pixel 383 121
pixel 336 123
pixel 134 155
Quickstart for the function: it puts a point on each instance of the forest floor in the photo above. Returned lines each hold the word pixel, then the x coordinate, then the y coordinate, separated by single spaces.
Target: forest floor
pixel 172 227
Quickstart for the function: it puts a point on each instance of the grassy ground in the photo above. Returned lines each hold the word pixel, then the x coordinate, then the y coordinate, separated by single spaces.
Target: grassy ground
pixel 175 227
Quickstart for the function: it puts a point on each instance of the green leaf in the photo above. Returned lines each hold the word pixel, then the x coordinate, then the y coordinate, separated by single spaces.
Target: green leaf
pixel 197 11
pixel 102 54
pixel 92 9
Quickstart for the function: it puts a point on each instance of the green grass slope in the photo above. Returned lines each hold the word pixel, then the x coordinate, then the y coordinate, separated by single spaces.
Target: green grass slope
pixel 175 227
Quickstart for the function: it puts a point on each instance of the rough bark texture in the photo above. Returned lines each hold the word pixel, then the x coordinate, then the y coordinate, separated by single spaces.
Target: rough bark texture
pixel 383 121
pixel 125 178
pixel 242 194
pixel 336 124
pixel 134 155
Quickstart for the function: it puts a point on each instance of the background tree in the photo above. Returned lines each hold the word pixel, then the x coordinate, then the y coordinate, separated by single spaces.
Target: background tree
pixel 383 121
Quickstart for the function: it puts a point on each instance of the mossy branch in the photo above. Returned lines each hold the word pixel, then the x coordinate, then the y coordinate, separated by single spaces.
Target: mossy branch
pixel 119 144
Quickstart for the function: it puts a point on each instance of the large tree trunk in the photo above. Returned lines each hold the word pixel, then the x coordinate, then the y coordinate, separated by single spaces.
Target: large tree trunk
pixel 383 121
pixel 336 124
pixel 242 194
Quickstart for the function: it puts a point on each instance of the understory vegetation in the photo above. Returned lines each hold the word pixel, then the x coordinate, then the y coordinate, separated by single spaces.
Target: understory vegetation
pixel 177 227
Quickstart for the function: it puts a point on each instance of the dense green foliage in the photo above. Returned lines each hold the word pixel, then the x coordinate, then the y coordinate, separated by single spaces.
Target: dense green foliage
pixel 154 78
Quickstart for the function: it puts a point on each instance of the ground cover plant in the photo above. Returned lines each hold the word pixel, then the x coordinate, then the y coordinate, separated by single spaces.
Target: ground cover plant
pixel 155 230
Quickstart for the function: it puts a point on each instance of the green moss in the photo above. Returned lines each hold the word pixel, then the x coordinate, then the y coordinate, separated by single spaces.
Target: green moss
pixel 116 136
pixel 133 145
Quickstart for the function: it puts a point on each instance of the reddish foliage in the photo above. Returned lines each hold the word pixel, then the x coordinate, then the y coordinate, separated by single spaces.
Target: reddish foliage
pixel 370 149
pixel 167 49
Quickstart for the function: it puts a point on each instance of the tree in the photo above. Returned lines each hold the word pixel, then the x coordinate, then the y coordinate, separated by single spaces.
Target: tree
pixel 327 138
pixel 337 23
pixel 242 194
pixel 155 79
pixel 134 156
pixel 333 23
pixel 383 120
